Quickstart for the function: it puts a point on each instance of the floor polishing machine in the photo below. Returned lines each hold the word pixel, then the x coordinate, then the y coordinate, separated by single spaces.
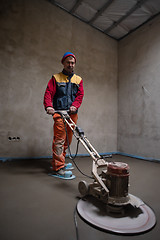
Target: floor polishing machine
pixel 106 202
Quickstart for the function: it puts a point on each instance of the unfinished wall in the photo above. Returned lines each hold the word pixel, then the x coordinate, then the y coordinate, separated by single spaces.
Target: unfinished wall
pixel 34 36
pixel 139 92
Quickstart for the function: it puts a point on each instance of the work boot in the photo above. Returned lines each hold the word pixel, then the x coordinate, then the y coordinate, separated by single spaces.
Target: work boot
pixel 67 166
pixel 62 173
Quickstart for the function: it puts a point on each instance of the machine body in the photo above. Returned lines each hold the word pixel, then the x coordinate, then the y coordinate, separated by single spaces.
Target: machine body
pixel 106 202
pixel 111 184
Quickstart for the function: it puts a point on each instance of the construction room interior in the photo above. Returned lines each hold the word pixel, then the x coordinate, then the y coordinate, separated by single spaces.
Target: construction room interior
pixel 120 112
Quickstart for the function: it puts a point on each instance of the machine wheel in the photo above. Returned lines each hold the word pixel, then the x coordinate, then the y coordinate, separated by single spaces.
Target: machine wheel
pixel 83 188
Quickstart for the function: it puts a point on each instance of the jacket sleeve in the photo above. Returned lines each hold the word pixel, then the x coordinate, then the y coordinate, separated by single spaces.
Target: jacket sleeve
pixel 79 96
pixel 49 93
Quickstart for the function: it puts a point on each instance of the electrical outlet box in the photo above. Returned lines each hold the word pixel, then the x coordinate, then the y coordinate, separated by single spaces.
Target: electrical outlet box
pixel 14 139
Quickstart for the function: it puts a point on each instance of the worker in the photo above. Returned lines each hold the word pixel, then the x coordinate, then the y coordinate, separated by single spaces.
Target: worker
pixel 64 92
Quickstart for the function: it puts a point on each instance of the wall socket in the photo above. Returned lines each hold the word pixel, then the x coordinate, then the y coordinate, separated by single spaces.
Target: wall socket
pixel 14 139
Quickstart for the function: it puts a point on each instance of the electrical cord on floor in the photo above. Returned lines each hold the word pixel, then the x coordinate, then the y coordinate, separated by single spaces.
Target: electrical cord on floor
pixel 70 154
pixel 76 223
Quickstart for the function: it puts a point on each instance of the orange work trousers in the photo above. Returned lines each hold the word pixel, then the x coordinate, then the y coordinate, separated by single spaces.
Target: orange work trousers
pixel 60 143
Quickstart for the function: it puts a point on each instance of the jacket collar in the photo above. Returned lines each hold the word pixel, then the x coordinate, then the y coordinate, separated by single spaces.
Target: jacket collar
pixel 67 74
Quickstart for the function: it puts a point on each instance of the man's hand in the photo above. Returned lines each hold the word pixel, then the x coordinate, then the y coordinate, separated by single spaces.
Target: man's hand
pixel 73 109
pixel 50 110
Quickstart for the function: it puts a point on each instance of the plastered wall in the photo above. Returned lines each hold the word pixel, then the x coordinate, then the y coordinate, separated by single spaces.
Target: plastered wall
pixel 34 36
pixel 139 92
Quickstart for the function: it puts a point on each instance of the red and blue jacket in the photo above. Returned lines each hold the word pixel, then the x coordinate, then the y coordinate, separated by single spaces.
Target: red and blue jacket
pixel 64 91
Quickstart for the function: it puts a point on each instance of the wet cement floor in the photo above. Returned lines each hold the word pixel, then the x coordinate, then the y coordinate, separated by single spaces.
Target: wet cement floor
pixel 35 206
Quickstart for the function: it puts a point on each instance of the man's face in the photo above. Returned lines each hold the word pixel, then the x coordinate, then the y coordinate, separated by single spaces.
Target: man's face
pixel 69 64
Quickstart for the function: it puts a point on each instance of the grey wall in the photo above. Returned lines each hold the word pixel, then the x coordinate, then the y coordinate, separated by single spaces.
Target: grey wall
pixel 34 37
pixel 139 92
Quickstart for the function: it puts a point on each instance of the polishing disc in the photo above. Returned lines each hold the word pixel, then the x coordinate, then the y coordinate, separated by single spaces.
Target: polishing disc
pixel 132 220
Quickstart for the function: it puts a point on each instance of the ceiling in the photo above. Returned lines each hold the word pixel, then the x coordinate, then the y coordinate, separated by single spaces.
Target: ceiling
pixel 115 18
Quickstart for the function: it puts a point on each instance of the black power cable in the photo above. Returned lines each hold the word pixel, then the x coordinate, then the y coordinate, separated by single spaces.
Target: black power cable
pixel 76 223
pixel 73 159
pixel 70 154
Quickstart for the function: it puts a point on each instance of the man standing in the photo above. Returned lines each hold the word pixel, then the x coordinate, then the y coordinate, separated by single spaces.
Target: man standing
pixel 64 92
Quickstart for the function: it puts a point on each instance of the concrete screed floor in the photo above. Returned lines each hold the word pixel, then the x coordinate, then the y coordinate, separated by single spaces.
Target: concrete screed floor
pixel 35 206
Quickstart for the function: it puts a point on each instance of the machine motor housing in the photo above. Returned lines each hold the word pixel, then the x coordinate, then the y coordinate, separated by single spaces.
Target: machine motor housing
pixel 116 179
